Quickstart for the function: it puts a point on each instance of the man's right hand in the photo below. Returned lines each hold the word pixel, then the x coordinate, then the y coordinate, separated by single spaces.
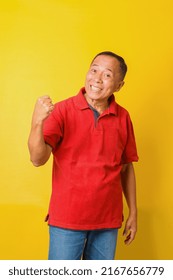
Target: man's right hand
pixel 43 108
pixel 39 150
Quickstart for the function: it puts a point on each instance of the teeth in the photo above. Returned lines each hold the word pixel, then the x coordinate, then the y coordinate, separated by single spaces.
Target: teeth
pixel 96 89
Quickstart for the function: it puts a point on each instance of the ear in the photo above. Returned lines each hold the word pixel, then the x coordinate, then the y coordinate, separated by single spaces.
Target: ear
pixel 120 85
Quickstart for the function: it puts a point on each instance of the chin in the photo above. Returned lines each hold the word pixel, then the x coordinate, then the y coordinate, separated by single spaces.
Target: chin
pixel 93 95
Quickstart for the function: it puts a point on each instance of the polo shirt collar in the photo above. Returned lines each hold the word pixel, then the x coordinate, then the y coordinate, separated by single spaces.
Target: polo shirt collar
pixel 80 100
pixel 113 106
pixel 82 104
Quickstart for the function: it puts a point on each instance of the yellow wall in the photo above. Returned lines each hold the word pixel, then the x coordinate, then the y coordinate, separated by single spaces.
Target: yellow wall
pixel 46 47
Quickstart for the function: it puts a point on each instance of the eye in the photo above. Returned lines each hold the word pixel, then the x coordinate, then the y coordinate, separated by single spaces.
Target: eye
pixel 107 75
pixel 93 70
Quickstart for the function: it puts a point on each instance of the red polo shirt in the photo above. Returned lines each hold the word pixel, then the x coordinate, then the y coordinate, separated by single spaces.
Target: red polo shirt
pixel 87 161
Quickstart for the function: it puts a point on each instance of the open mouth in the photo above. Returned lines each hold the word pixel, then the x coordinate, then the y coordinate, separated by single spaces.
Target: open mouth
pixel 95 89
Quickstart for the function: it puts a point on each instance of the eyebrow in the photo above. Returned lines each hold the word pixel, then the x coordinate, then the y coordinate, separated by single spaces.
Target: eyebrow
pixel 98 65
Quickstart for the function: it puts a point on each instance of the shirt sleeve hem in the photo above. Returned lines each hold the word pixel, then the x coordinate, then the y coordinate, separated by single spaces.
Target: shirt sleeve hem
pixel 128 160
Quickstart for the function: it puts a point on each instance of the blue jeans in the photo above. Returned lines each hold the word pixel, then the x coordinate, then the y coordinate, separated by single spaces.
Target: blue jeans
pixel 68 244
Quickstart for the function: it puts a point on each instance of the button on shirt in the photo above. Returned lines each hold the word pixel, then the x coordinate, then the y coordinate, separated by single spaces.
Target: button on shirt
pixel 88 155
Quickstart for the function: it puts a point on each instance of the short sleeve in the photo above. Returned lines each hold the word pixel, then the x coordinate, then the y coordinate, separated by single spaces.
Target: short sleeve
pixel 130 150
pixel 53 128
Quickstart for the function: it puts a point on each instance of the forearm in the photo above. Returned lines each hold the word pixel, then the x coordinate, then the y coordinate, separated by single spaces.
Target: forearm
pixel 39 150
pixel 129 187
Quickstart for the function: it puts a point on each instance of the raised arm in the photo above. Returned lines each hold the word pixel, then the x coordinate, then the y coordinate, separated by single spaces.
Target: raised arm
pixel 39 150
pixel 129 190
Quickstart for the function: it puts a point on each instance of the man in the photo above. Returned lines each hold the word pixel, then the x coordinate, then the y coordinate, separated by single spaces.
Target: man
pixel 93 145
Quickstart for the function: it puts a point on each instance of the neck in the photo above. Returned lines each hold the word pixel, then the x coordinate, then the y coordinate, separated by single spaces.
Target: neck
pixel 99 105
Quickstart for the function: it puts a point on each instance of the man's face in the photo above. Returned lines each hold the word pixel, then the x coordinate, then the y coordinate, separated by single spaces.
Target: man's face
pixel 103 78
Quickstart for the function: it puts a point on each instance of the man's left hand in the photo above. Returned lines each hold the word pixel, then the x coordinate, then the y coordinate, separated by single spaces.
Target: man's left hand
pixel 130 229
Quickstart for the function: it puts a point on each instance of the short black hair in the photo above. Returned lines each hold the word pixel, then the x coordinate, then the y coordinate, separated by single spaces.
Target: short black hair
pixel 123 66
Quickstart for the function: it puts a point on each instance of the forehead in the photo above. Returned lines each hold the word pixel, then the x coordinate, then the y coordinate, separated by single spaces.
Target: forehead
pixel 106 61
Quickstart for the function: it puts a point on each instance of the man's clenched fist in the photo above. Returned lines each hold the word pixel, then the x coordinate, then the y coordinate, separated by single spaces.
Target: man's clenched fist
pixel 42 110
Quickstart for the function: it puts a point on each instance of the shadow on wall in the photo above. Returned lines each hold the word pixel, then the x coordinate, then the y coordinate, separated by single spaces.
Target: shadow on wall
pixel 24 234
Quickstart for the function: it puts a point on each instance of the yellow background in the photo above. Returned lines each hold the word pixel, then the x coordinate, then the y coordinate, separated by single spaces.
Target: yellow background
pixel 46 47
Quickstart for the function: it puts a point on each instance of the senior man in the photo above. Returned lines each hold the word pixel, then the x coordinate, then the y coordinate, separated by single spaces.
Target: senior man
pixel 93 145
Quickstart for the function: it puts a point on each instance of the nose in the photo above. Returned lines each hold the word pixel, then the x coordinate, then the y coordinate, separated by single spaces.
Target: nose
pixel 98 78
